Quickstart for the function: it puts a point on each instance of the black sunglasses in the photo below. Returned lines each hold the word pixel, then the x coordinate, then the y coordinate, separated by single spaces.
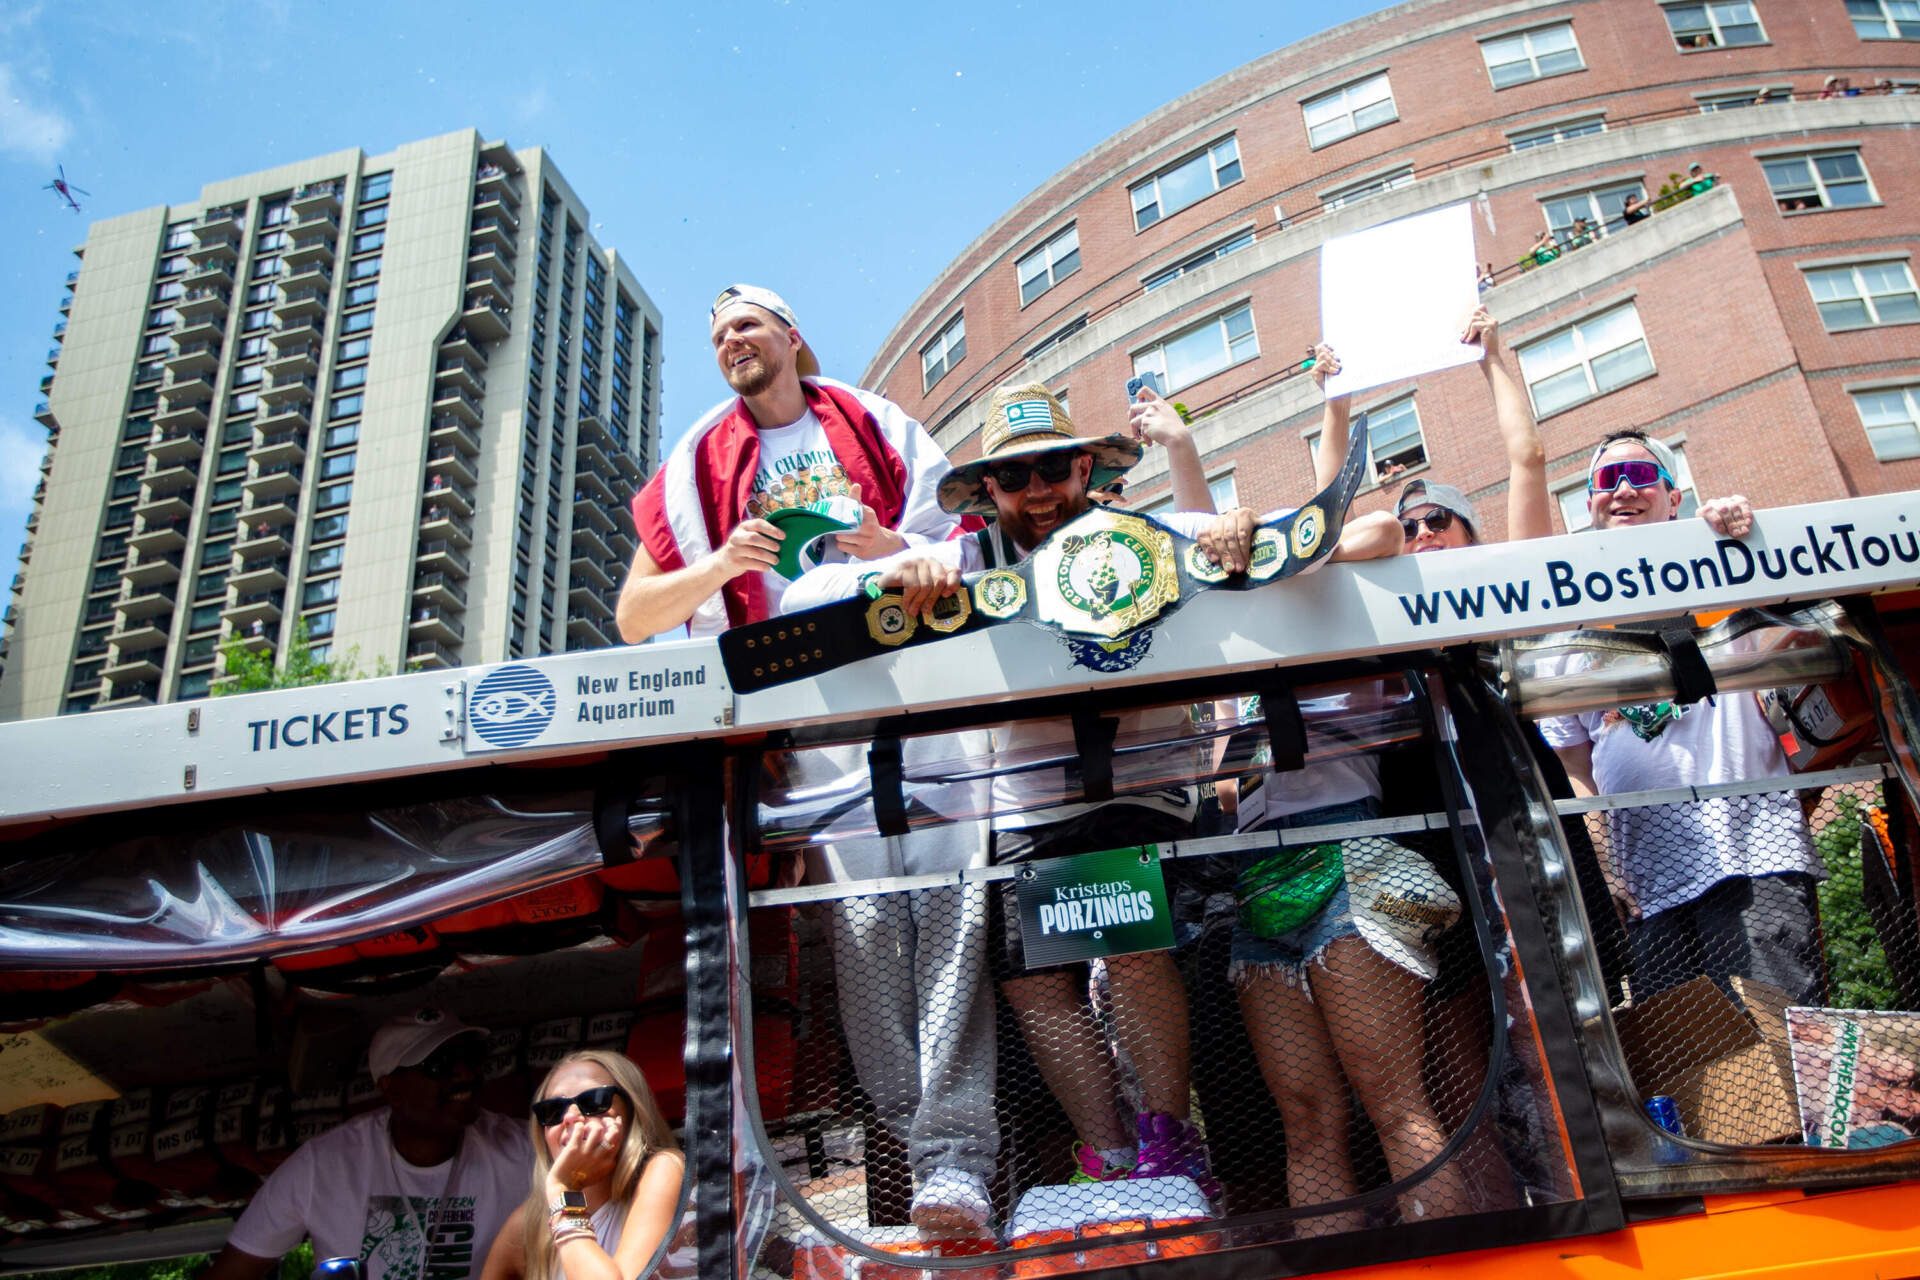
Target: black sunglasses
pixel 1439 520
pixel 1014 476
pixel 592 1102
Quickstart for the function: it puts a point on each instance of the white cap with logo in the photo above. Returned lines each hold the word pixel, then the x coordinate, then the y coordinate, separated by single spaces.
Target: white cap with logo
pixel 410 1039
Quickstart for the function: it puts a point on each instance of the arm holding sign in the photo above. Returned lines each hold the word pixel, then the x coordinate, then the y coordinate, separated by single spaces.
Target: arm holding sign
pixel 1529 505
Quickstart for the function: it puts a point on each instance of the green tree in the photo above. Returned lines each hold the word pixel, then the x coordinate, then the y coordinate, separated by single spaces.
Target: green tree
pixel 250 672
pixel 1858 976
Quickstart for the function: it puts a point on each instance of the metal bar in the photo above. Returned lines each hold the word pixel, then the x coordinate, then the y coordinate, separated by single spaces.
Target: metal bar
pixel 1648 679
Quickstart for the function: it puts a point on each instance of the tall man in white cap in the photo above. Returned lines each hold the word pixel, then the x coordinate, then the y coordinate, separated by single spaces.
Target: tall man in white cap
pixel 1725 886
pixel 709 557
pixel 417 1189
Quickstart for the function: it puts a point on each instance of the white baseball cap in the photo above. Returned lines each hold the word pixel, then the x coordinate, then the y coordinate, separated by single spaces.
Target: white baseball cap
pixel 748 295
pixel 410 1039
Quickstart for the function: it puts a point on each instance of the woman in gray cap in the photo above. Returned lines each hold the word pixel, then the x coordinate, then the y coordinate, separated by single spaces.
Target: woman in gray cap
pixel 1438 517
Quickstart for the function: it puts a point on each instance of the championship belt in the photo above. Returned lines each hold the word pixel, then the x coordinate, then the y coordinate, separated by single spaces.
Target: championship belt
pixel 1101 578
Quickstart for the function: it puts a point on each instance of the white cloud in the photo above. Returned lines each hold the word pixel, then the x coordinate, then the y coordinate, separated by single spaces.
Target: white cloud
pixel 29 130
pixel 21 448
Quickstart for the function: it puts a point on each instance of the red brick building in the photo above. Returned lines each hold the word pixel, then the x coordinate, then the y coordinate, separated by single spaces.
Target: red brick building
pixel 1769 327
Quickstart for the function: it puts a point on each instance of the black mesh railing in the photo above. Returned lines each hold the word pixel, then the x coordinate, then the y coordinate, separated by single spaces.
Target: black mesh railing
pixel 1309 1050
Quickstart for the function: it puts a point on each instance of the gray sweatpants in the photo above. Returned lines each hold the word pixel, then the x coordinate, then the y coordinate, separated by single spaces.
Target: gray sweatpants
pixel 915 1002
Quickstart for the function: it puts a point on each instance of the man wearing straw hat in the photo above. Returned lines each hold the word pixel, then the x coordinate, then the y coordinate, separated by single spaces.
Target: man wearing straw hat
pixel 710 554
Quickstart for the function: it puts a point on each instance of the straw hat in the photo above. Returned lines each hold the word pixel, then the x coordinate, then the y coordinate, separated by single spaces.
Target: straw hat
pixel 1022 422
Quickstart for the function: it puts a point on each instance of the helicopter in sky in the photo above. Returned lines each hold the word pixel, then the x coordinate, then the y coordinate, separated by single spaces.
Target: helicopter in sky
pixel 66 190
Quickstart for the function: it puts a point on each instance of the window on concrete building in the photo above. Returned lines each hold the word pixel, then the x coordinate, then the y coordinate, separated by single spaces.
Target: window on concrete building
pixel 1891 416
pixel 376 186
pixel 1586 359
pixel 1600 207
pixel 1571 493
pixel 1048 265
pixel 1188 182
pixel 1885 19
pixel 1863 294
pixel 1559 131
pixel 1819 180
pixel 948 348
pixel 1531 55
pixel 1354 108
pixel 1199 352
pixel 1710 26
pixel 1372 186
pixel 1194 262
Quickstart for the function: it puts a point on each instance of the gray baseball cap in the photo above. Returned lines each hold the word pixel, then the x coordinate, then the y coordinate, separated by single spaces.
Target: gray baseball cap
pixel 1424 493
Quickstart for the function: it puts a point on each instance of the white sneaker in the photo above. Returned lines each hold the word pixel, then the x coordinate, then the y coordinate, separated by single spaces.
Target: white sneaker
pixel 953 1202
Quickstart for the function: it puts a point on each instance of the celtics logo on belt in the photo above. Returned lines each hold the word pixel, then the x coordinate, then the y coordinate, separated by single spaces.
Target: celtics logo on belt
pixel 1000 593
pixel 1309 526
pixel 1113 573
pixel 888 621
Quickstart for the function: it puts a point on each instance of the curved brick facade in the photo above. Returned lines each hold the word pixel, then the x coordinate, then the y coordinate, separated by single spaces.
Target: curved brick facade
pixel 1766 395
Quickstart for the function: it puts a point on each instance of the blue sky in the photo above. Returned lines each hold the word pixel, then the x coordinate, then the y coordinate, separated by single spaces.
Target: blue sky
pixel 839 153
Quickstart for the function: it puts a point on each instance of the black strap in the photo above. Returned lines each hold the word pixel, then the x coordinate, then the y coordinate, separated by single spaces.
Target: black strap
pixel 1286 727
pixel 611 807
pixel 1692 678
pixel 1093 736
pixel 884 774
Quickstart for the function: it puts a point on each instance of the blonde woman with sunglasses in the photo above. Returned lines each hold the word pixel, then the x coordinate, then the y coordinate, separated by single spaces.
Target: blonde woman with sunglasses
pixel 606 1179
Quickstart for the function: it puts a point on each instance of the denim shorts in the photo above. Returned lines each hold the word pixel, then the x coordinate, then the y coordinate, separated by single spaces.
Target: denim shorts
pixel 1294 950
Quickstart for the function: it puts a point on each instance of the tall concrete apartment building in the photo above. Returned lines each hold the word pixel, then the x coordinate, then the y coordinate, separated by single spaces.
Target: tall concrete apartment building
pixel 1767 327
pixel 402 399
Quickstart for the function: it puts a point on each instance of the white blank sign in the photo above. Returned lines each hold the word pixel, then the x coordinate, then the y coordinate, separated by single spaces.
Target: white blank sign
pixel 1395 298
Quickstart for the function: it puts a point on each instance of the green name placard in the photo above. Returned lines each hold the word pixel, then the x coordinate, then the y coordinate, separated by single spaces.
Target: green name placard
pixel 1106 903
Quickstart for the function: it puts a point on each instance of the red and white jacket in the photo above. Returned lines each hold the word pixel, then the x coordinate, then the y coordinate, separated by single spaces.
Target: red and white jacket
pixel 700 493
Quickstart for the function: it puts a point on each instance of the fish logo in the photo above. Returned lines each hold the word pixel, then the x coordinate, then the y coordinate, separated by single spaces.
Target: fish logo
pixel 512 706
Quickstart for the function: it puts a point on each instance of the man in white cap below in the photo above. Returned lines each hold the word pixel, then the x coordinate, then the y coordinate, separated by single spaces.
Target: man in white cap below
pixel 793 451
pixel 416 1189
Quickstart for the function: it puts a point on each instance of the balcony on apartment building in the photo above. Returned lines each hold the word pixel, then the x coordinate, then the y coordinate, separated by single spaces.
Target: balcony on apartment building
pixel 284 444
pixel 266 512
pixel 589 629
pixel 588 540
pixel 591 512
pixel 445 491
pixel 183 413
pixel 489 178
pixel 487 320
pixel 133 667
pixel 261 541
pixel 276 480
pixel 450 462
pixel 431 654
pixel 317 195
pixel 441 556
pixel 190 384
pixel 435 622
pixel 159 536
pixel 488 257
pixel 250 607
pixel 177 445
pixel 455 372
pixel 589 569
pixel 438 523
pixel 590 486
pixel 162 507
pixel 449 432
pixel 294 360
pixel 460 345
pixel 193 358
pixel 282 417
pixel 204 301
pixel 287 388
pixel 145 571
pixel 441 589
pixel 457 403
pixel 137 694
pixel 313 247
pixel 487 285
pixel 259 574
pixel 136 635
pixel 201 326
pixel 144 601
pixel 295 329
pixel 169 477
pixel 308 300
pixel 590 600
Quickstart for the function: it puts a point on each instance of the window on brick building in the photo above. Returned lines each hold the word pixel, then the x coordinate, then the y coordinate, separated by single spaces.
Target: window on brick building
pixel 1372 186
pixel 1188 182
pixel 1891 416
pixel 1819 180
pixel 1738 98
pixel 1394 440
pixel 1600 207
pixel 948 348
pixel 1861 294
pixel 1710 26
pixel 1531 55
pixel 1202 350
pixel 1586 359
pixel 1194 262
pixel 1571 493
pixel 1223 490
pixel 1048 265
pixel 1354 108
pixel 1559 131
pixel 1885 19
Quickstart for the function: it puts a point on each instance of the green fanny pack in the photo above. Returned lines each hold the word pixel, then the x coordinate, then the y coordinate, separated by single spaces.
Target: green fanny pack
pixel 1284 890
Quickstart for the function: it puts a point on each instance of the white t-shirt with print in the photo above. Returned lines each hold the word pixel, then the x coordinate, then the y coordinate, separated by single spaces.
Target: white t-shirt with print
pixel 345 1190
pixel 797 466
pixel 1672 853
